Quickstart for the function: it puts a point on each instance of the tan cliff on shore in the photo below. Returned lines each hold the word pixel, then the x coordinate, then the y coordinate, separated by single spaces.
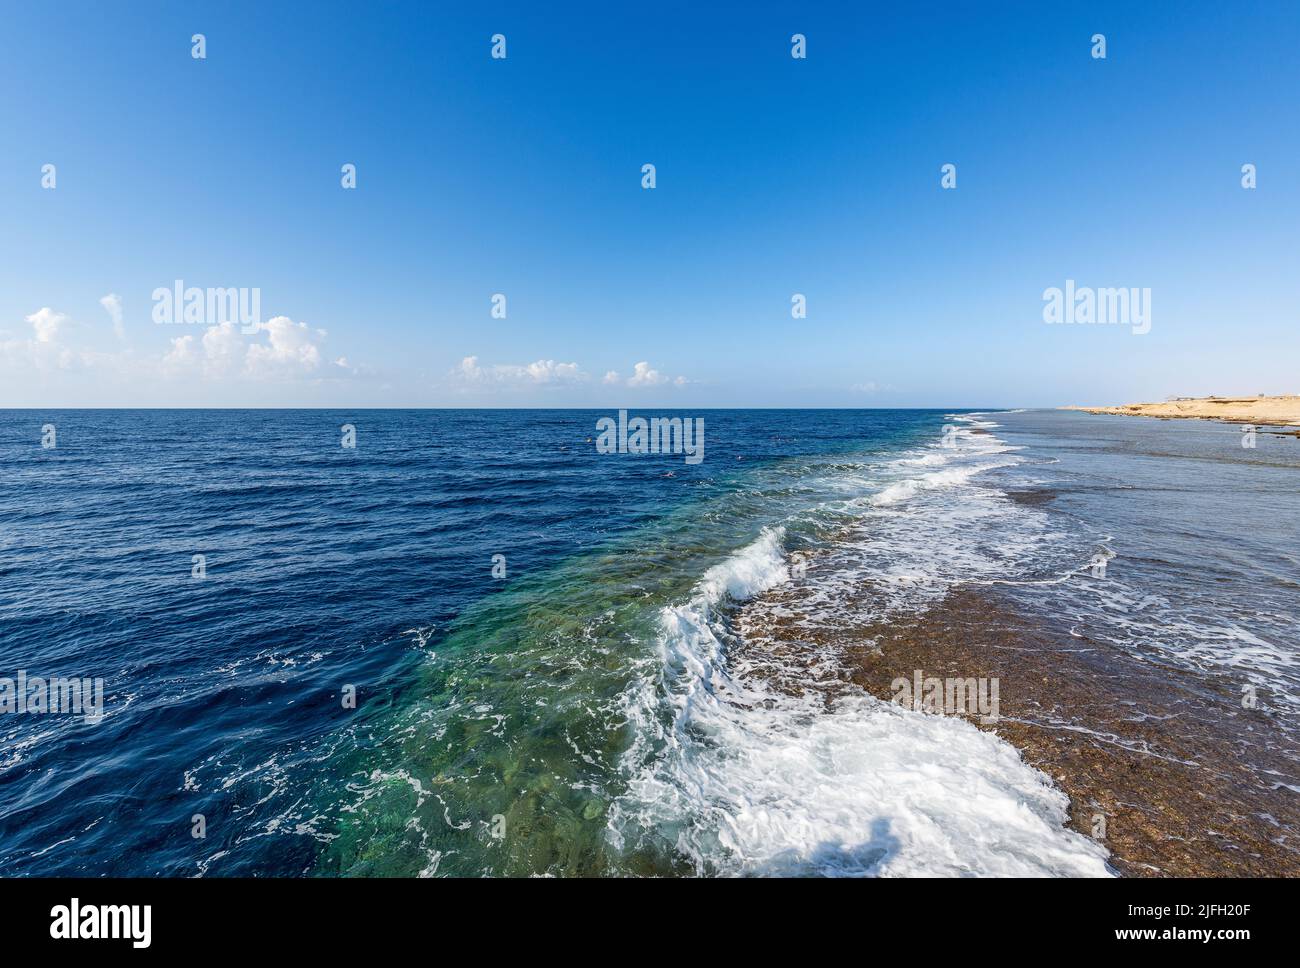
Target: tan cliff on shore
pixel 1274 411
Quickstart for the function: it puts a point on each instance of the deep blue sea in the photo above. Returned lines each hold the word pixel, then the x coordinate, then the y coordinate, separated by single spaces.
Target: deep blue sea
pixel 539 636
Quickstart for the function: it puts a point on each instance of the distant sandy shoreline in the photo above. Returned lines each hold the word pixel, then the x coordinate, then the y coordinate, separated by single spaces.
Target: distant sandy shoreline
pixel 1273 411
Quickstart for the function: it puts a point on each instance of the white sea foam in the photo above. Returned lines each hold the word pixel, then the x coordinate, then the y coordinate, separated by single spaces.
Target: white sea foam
pixel 753 569
pixel 865 788
pixel 925 460
pixel 741 778
pixel 1188 632
pixel 902 490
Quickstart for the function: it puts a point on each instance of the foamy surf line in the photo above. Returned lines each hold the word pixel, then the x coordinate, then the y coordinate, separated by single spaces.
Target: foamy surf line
pixel 743 779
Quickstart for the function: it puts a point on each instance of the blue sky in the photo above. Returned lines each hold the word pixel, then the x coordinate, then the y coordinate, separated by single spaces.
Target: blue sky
pixel 522 176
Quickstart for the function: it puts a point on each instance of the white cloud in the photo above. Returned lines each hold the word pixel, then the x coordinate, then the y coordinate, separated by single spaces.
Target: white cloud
pixel 112 304
pixel 644 375
pixel 279 349
pixel 223 349
pixel 181 354
pixel 541 373
pixel 289 350
pixel 43 350
pixel 611 377
pixel 290 345
pixel 46 322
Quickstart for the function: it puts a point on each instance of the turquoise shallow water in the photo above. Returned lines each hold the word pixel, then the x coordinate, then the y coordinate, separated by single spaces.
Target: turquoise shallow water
pixel 518 745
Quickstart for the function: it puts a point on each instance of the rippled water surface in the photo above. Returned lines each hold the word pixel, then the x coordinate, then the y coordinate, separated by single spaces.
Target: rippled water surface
pixel 589 712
